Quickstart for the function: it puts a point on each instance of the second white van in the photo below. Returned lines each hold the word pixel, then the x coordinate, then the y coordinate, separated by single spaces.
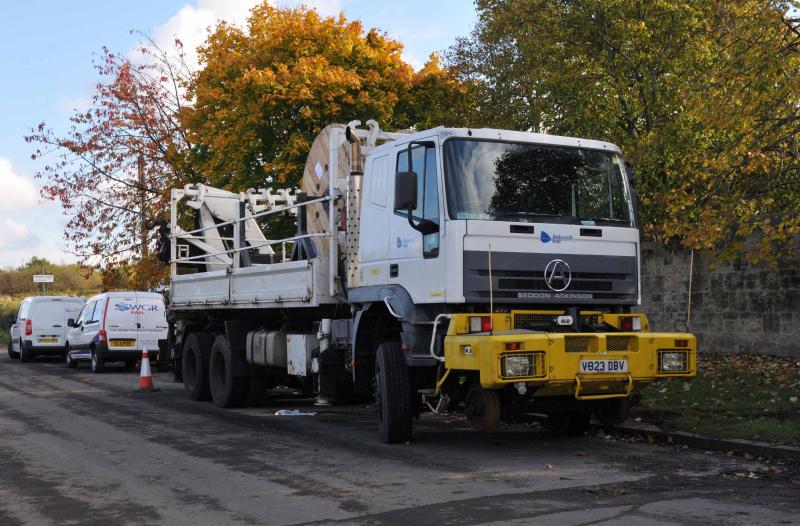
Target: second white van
pixel 116 327
pixel 40 326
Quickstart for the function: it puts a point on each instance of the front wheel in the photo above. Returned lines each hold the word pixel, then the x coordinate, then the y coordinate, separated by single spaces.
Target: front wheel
pixel 69 360
pixel 393 394
pixel 614 412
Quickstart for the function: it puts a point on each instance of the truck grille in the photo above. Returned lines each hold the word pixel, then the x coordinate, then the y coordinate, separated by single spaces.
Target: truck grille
pixel 620 343
pixel 519 278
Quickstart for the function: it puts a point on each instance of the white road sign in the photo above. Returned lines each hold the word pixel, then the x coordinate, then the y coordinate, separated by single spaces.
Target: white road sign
pixel 42 278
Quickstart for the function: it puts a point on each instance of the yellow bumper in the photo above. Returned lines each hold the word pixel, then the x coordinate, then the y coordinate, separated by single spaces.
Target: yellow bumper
pixel 589 366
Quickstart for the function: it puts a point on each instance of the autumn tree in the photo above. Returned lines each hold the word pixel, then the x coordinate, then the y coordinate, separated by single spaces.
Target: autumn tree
pixel 112 170
pixel 265 91
pixel 701 96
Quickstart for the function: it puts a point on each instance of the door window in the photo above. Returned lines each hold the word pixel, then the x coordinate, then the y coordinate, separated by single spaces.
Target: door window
pixel 98 312
pixel 23 311
pixel 423 161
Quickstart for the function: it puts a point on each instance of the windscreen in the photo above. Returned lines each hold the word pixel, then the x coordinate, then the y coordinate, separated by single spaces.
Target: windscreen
pixel 503 181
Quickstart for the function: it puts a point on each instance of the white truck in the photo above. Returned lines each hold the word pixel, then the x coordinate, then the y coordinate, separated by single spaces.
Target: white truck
pixel 482 270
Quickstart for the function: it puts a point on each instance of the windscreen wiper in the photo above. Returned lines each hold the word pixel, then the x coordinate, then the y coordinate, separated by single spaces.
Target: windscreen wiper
pixel 611 219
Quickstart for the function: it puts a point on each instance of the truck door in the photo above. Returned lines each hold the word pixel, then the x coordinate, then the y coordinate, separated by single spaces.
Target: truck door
pixel 151 320
pixel 415 260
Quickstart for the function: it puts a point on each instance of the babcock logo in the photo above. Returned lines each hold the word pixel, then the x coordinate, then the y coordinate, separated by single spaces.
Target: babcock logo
pixel 544 237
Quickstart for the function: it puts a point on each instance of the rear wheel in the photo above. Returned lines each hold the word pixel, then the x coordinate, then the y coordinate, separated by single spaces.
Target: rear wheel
pixel 194 365
pixel 569 423
pixel 25 353
pixel 483 409
pixel 98 364
pixel 393 394
pixel 226 389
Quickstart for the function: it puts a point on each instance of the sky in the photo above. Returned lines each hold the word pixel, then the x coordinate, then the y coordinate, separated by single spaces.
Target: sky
pixel 46 73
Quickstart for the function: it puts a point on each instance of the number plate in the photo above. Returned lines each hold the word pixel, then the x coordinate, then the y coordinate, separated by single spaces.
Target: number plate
pixel 122 343
pixel 604 366
pixel 48 340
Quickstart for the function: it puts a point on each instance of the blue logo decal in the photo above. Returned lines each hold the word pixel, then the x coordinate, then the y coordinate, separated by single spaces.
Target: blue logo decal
pixel 544 237
pixel 399 242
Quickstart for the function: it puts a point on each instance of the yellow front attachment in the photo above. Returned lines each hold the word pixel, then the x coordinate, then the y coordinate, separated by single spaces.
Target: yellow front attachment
pixel 589 366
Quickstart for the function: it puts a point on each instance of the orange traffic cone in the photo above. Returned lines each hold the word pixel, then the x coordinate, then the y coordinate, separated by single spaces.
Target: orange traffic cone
pixel 145 377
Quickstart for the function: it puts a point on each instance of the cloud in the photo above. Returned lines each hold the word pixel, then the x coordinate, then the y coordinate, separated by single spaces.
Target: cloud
pixel 15 235
pixel 17 191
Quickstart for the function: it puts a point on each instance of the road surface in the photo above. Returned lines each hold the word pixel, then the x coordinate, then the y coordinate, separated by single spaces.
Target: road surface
pixel 78 448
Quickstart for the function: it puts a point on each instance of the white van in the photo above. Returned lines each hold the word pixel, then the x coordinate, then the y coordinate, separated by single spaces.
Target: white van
pixel 116 327
pixel 41 326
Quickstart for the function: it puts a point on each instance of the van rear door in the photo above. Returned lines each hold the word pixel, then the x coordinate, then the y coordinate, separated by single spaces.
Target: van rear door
pixel 121 321
pixel 152 319
pixel 48 323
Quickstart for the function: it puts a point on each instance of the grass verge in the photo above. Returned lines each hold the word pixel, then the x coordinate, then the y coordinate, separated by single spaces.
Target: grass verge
pixel 748 396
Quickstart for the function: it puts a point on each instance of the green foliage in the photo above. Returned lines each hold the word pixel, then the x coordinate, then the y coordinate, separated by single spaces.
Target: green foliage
pixel 735 395
pixel 701 96
pixel 67 279
pixel 264 93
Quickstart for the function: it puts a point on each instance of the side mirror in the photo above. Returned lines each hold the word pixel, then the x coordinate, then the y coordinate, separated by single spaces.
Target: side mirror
pixel 71 322
pixel 405 191
pixel 629 172
pixel 11 319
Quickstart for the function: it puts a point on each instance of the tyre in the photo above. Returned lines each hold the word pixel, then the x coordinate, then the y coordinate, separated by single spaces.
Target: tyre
pixel 569 423
pixel 226 389
pixel 613 412
pixel 483 409
pixel 257 391
pixel 98 364
pixel 69 361
pixel 11 353
pixel 393 394
pixel 194 365
pixel 25 353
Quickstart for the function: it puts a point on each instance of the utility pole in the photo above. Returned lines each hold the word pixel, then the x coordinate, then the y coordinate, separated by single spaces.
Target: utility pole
pixel 44 287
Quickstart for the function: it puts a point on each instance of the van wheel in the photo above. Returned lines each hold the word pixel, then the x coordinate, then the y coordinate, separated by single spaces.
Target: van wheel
pixel 11 353
pixel 226 389
pixel 25 354
pixel 194 365
pixel 483 409
pixel 393 394
pixel 68 359
pixel 98 364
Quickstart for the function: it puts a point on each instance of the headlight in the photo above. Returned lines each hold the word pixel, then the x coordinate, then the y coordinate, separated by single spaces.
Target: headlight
pixel 522 365
pixel 673 361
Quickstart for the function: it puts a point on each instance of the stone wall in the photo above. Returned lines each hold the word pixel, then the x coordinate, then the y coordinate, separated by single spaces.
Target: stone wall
pixel 735 306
